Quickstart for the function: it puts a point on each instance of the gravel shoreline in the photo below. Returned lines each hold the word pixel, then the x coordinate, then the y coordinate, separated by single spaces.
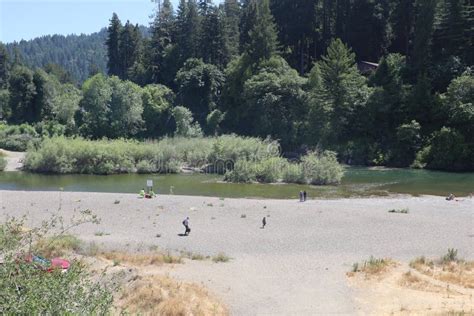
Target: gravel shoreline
pixel 296 265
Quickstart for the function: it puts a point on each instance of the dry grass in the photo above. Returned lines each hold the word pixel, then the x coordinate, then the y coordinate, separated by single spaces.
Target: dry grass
pixel 454 271
pixel 160 295
pixel 57 246
pixel 373 266
pixel 411 281
pixel 141 259
pixel 221 257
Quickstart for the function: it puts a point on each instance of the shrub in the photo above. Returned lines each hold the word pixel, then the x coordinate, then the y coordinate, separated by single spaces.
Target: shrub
pixel 145 166
pixel 18 137
pixel 270 170
pixel 322 168
pixel 244 172
pixel 77 155
pixel 450 256
pixel 28 290
pixel 293 173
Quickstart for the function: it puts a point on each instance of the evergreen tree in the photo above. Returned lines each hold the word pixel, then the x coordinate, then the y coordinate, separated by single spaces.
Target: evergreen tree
pixel 22 93
pixel 3 67
pixel 263 42
pixel 212 43
pixel 187 30
pixel 369 29
pixel 450 35
pixel 403 19
pixel 129 48
pixel 162 31
pixel 421 55
pixel 296 23
pixel 230 25
pixel 247 22
pixel 113 50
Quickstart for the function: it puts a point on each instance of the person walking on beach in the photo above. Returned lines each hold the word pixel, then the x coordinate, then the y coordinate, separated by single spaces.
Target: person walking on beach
pixel 186 225
pixel 304 196
pixel 301 196
pixel 264 222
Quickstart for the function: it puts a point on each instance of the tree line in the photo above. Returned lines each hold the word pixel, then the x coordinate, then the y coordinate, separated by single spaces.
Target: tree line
pixel 279 68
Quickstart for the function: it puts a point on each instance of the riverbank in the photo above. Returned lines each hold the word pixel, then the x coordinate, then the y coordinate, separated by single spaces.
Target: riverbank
pixel 296 265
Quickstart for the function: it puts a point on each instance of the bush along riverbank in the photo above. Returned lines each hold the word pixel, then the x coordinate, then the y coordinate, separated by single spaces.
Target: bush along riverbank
pixel 239 159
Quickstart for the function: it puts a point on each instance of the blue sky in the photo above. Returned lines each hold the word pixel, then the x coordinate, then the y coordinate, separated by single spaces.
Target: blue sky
pixel 26 19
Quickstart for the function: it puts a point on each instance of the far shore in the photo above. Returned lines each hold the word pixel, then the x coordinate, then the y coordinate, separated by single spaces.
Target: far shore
pixel 295 265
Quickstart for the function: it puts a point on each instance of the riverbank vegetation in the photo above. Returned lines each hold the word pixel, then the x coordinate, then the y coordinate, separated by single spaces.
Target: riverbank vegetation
pixel 240 159
pixel 379 84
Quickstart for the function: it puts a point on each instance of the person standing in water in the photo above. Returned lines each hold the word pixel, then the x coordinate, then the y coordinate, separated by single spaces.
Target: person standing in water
pixel 186 225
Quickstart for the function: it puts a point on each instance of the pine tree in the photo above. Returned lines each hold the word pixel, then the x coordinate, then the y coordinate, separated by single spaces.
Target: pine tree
pixel 162 31
pixel 230 26
pixel 369 29
pixel 403 19
pixel 248 20
pixel 3 67
pixel 113 53
pixel 450 36
pixel 129 48
pixel 421 57
pixel 187 30
pixel 263 42
pixel 296 23
pixel 213 43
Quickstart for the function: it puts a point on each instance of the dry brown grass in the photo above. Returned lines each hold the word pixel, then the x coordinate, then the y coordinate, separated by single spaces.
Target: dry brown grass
pixel 372 267
pixel 411 281
pixel 455 272
pixel 140 259
pixel 160 295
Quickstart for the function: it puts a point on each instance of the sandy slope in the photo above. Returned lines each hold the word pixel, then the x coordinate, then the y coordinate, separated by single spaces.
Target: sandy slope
pixel 296 265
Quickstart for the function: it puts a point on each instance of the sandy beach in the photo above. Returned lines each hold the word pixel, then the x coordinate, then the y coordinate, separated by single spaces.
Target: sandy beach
pixel 297 264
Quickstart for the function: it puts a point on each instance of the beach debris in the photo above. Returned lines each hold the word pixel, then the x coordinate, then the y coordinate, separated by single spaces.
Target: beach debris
pixel 193 209
pixel 117 202
pixel 243 216
pixel 158 235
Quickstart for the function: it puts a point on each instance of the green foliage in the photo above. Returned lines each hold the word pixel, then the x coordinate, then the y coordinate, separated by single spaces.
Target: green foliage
pixel 157 107
pixel 275 102
pixel 17 137
pixel 293 173
pixel 322 168
pixel 77 155
pixel 199 87
pixel 213 121
pixel 185 125
pixel 450 256
pixel 110 108
pixel 449 151
pixel 27 289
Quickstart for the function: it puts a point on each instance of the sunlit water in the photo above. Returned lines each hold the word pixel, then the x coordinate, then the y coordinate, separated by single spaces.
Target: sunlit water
pixel 356 182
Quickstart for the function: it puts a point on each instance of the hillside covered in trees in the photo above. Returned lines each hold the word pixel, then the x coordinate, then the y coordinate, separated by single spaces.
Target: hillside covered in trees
pixel 279 68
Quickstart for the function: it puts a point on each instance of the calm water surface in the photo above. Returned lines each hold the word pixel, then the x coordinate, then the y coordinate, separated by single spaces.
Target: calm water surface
pixel 356 182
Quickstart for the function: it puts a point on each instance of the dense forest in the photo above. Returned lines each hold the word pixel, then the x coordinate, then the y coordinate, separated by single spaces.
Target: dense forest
pixel 380 82
pixel 78 55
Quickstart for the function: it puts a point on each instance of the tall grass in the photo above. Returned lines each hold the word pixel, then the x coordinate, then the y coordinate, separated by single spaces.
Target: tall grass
pixel 241 159
pixel 78 155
